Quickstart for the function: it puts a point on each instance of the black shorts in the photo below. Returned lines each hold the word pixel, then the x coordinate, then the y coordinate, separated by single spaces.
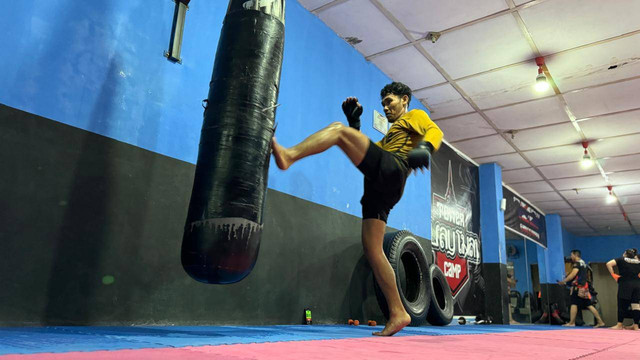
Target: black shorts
pixel 629 291
pixel 385 175
pixel 580 302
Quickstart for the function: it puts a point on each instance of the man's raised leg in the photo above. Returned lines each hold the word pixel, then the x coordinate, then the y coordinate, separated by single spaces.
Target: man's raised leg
pixel 372 237
pixel 352 142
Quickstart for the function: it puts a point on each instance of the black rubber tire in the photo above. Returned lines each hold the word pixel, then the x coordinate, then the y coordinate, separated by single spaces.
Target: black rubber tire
pixel 409 263
pixel 441 309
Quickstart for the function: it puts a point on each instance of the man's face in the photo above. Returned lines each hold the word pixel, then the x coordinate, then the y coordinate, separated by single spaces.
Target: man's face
pixel 574 258
pixel 394 106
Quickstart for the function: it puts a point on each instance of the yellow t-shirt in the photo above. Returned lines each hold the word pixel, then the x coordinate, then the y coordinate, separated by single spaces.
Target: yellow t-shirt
pixel 406 132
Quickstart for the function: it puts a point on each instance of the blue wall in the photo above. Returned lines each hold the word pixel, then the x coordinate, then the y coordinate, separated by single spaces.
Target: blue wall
pixel 568 241
pixel 99 66
pixel 491 217
pixel 555 248
pixel 603 248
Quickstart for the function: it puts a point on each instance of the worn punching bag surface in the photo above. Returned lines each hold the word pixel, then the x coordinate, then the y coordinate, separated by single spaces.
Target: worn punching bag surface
pixel 224 223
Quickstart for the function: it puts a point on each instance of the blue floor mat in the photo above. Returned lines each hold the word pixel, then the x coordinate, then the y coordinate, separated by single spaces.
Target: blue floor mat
pixel 30 340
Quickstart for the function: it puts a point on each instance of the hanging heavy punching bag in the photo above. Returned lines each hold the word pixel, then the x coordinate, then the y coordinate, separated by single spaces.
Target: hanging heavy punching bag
pixel 224 223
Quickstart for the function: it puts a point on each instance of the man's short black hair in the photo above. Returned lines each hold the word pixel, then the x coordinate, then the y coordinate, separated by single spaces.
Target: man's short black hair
pixel 396 88
pixel 576 252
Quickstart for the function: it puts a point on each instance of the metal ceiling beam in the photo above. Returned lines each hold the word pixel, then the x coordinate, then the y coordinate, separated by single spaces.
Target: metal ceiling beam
pixel 327 6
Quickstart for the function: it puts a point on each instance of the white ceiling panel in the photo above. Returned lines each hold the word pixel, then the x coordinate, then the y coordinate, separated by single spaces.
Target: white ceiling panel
pixel 505 86
pixel 421 16
pixel 579 182
pixel 465 127
pixel 565 212
pixel 491 44
pixel 408 66
pixel 361 19
pixel 592 193
pixel 529 114
pixel 313 4
pixel 490 145
pixel 443 101
pixel 634 217
pixel 574 221
pixel 625 190
pixel 599 210
pixel 581 203
pixel 631 208
pixel 552 135
pixel 617 224
pixel 545 196
pixel 606 217
pixel 506 161
pixel 561 25
pixel 567 170
pixel 521 175
pixel 532 187
pixel 595 65
pixel 604 99
pixel 449 108
pixel 560 154
pixel 629 200
pixel 621 163
pixel 580 230
pixel 625 177
pixel 550 206
pixel 616 146
pixel 611 125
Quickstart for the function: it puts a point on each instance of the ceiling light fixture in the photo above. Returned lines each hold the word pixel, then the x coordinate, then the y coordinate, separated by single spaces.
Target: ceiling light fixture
pixel 542 84
pixel 610 198
pixel 586 158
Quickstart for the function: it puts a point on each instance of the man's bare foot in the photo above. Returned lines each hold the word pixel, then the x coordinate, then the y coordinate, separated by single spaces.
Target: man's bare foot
pixel 631 327
pixel 599 325
pixel 617 327
pixel 280 155
pixel 569 324
pixel 394 325
pixel 513 322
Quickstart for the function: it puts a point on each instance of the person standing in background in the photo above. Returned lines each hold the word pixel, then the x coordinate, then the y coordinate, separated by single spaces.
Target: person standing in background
pixel 628 286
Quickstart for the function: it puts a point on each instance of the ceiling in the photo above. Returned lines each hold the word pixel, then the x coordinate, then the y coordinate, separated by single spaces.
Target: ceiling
pixel 477 79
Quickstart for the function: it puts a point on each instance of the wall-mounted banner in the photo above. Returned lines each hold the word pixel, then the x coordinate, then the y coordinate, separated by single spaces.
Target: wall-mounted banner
pixel 455 228
pixel 524 218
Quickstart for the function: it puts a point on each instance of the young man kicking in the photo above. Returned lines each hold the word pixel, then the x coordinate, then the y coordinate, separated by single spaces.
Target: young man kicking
pixel 385 164
pixel 579 276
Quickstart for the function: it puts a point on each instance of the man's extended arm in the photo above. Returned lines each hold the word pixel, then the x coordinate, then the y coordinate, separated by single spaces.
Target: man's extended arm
pixel 610 266
pixel 569 277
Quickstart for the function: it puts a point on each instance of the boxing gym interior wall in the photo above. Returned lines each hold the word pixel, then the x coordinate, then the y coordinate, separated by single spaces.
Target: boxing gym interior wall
pixel 99 137
pixel 603 248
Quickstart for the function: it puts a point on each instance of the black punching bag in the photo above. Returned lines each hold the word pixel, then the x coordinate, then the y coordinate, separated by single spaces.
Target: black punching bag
pixel 224 224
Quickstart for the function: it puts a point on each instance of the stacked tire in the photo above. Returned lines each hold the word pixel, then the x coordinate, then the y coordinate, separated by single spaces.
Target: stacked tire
pixel 423 288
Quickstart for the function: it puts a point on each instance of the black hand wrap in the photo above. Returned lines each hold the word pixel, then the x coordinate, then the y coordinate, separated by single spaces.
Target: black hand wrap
pixel 352 110
pixel 419 157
